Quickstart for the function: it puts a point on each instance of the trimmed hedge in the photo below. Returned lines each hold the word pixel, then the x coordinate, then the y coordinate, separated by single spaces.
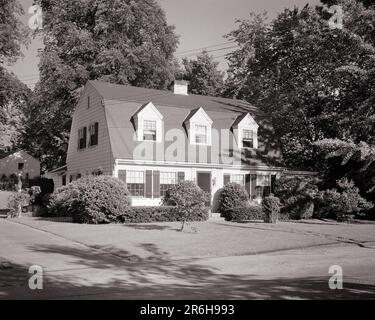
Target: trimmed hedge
pixel 252 212
pixel 93 199
pixel 232 196
pixel 160 214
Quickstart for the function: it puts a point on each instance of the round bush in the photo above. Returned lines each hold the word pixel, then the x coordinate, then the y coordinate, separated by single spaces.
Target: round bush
pixel 93 199
pixel 231 196
pixel 190 200
pixel 271 209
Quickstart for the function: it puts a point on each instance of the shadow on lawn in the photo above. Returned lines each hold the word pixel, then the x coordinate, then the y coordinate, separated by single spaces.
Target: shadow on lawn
pixel 118 274
pixel 150 226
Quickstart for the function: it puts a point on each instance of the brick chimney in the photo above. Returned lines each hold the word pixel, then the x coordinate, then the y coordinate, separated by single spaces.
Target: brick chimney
pixel 180 87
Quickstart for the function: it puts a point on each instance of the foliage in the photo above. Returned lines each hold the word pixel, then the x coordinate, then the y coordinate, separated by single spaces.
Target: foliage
pixel 230 196
pixel 99 199
pixel 189 199
pixel 16 201
pixel 271 209
pixel 119 41
pixel 203 75
pixel 158 214
pixel 297 195
pixel 346 200
pixel 315 81
pixel 243 213
pixel 34 192
pixel 14 99
pixel 13 32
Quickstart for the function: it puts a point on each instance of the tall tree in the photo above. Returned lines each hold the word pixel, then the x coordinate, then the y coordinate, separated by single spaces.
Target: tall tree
pixel 13 33
pixel 120 41
pixel 14 98
pixel 317 82
pixel 13 94
pixel 203 75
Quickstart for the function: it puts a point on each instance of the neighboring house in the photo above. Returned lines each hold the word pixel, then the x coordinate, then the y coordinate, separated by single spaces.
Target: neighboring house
pixel 58 176
pixel 152 139
pixel 13 162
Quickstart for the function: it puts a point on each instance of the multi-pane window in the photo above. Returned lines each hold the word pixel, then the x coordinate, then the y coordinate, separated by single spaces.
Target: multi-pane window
pixel 93 134
pixel 263 180
pixel 238 178
pixel 149 130
pixel 263 185
pixel 167 180
pixel 135 181
pixel 82 132
pixel 247 139
pixel 200 134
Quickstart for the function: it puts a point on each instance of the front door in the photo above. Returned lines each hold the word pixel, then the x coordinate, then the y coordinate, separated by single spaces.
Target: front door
pixel 204 182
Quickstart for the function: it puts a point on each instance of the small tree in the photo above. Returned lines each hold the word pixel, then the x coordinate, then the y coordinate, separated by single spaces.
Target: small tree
pixel 189 199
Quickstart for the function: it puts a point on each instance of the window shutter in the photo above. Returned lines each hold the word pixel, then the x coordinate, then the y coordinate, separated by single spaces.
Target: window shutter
pixel 248 183
pixel 180 177
pixel 253 184
pixel 149 184
pixel 156 183
pixel 226 179
pixel 273 182
pixel 96 139
pixel 122 175
pixel 79 139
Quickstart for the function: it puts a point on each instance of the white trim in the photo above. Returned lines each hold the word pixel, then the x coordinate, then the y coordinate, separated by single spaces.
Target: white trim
pixel 195 164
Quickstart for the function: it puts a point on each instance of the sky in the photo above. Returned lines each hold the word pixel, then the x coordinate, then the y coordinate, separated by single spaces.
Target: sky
pixel 200 24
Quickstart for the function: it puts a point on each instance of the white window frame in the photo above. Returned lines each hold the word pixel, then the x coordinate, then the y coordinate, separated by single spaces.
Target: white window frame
pixel 167 178
pixel 132 179
pixel 153 130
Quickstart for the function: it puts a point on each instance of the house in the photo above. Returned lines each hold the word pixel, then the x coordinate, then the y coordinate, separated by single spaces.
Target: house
pixel 58 176
pixel 18 161
pixel 152 139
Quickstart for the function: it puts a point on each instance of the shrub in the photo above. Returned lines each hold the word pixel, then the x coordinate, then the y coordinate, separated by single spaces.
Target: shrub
pixel 231 196
pixel 271 209
pixel 158 214
pixel 344 201
pixel 189 199
pixel 251 212
pixel 297 195
pixel 34 192
pixel 16 201
pixel 99 199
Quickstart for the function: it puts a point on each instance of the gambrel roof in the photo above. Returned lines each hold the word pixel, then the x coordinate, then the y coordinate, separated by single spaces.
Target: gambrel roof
pixel 121 102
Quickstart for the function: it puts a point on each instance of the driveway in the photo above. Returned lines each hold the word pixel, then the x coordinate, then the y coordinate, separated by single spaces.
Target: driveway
pixel 154 261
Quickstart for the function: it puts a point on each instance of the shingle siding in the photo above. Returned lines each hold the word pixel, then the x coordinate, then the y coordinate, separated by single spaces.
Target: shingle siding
pixel 91 158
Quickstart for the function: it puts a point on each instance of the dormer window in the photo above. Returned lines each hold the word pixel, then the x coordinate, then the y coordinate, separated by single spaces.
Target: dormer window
pixel 149 130
pixel 199 125
pixel 248 138
pixel 149 123
pixel 245 130
pixel 200 134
